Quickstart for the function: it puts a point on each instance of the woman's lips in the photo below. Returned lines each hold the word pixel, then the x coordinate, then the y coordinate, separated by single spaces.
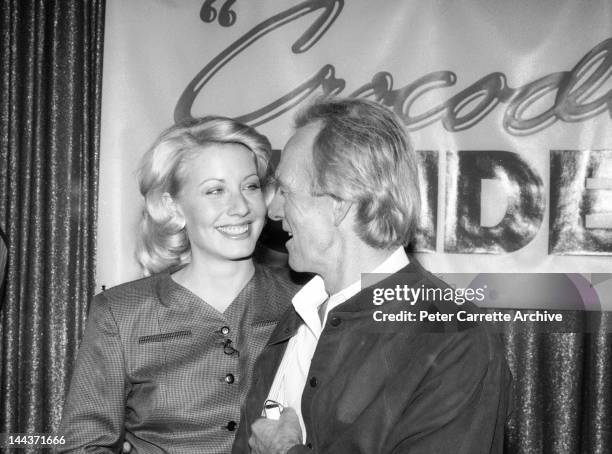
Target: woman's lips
pixel 237 231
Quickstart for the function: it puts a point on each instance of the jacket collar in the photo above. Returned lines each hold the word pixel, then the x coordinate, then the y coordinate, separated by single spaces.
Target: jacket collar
pixel 287 327
pixel 412 275
pixel 261 292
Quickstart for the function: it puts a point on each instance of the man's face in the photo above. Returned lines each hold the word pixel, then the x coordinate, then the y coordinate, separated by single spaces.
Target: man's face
pixel 308 219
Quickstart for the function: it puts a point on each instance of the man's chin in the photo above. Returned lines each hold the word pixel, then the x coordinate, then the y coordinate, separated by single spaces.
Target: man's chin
pixel 296 265
pixel 300 267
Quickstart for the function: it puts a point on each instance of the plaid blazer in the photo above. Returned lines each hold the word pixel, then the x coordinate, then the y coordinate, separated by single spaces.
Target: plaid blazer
pixel 163 370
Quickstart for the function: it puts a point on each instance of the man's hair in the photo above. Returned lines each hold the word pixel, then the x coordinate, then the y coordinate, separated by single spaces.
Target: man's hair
pixel 163 169
pixel 362 154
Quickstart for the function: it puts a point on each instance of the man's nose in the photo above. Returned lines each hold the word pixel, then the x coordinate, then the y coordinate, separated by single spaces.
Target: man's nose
pixel 275 210
pixel 239 205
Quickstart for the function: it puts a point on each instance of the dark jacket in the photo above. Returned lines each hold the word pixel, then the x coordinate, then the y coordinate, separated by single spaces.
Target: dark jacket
pixel 393 387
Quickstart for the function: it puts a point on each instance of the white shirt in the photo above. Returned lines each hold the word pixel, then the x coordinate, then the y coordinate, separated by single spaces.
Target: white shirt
pixel 293 370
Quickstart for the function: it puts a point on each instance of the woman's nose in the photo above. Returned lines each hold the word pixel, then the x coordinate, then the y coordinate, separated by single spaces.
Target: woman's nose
pixel 239 205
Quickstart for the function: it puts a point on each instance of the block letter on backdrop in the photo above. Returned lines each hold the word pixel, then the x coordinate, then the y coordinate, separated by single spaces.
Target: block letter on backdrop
pixel 425 237
pixel 580 202
pixel 522 190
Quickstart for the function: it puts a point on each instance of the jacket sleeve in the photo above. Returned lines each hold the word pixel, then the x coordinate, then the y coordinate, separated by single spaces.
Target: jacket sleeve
pixel 94 410
pixel 462 404
pixel 241 442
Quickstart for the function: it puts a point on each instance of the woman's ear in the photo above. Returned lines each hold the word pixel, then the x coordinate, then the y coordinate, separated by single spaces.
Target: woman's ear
pixel 341 209
pixel 173 208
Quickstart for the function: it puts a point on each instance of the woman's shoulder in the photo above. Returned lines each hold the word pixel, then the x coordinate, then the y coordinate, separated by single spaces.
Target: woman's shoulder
pixel 279 279
pixel 139 287
pixel 133 304
pixel 133 295
pixel 272 292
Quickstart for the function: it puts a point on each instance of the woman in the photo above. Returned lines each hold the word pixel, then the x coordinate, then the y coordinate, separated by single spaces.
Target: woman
pixel 165 361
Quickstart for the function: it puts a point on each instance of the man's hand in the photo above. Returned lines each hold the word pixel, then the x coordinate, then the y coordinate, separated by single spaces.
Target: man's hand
pixel 276 437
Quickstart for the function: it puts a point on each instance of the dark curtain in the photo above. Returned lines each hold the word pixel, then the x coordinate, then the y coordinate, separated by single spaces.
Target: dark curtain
pixel 50 91
pixel 562 388
pixel 3 257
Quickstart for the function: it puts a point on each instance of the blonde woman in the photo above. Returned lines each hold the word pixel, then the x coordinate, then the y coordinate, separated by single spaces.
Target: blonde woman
pixel 166 361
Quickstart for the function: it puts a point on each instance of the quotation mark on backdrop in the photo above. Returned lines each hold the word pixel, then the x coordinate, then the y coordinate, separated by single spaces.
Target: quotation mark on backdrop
pixel 227 16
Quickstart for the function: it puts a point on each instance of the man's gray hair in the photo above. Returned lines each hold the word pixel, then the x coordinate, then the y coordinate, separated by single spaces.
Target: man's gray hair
pixel 362 154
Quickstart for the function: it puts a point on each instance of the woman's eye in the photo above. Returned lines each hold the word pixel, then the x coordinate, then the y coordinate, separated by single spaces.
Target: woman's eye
pixel 214 191
pixel 253 186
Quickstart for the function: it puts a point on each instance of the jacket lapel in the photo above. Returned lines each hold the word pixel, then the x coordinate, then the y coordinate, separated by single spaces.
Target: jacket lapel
pixel 287 327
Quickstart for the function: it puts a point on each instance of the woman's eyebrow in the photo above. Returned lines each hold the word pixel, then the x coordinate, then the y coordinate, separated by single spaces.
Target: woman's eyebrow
pixel 221 180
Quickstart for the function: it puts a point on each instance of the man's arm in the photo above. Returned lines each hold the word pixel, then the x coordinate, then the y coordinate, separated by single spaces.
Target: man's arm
pixel 462 405
pixel 94 409
pixel 459 406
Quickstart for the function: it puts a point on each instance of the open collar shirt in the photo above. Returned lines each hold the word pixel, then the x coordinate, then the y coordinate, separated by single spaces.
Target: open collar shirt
pixel 292 372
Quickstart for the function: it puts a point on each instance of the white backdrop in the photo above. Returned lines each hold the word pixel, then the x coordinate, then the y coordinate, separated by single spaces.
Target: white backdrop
pixel 509 102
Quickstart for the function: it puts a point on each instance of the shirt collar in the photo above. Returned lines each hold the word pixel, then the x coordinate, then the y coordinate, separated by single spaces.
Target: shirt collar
pixel 313 294
pixel 306 302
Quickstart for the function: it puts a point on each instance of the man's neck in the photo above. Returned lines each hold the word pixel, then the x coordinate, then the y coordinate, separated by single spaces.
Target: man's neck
pixel 358 259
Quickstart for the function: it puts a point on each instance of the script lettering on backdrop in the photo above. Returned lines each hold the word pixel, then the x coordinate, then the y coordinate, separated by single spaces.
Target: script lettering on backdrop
pixel 581 229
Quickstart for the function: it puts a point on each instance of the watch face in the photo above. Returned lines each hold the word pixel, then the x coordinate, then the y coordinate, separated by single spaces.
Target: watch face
pixel 272 410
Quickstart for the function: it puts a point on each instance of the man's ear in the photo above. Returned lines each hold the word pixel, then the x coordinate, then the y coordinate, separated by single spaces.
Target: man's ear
pixel 341 209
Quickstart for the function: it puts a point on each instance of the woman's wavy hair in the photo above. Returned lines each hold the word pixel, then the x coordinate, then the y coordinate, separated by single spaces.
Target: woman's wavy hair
pixel 362 154
pixel 163 169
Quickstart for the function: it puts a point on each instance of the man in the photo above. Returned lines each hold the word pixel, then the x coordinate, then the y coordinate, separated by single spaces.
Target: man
pixel 348 197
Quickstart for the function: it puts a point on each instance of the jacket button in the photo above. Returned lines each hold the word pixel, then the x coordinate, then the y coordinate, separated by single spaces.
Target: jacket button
pixel 314 382
pixel 229 379
pixel 225 330
pixel 309 445
pixel 335 321
pixel 231 426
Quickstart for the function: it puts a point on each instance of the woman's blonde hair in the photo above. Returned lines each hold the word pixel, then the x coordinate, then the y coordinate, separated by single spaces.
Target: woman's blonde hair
pixel 163 239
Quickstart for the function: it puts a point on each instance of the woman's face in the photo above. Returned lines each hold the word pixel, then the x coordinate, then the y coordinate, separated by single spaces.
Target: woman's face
pixel 222 202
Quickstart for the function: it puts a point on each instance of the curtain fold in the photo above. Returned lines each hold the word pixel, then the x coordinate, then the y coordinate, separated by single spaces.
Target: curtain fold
pixel 562 402
pixel 50 82
pixel 596 434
